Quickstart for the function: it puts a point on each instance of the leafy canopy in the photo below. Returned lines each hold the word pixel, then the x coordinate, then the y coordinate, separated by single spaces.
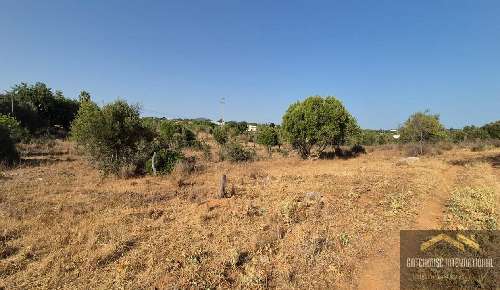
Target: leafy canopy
pixel 268 136
pixel 422 127
pixel 318 122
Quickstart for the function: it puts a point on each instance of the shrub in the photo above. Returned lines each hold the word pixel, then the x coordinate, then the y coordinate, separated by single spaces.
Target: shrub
pixel 267 136
pixel 113 137
pixel 234 152
pixel 17 132
pixel 8 151
pixel 220 135
pixel 446 146
pixel 478 147
pixel 415 149
pixel 236 128
pixel 175 136
pixel 317 122
pixel 165 161
pixel 358 149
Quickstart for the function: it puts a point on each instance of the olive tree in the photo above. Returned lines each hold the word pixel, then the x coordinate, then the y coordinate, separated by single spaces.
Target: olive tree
pixel 317 122
pixel 422 127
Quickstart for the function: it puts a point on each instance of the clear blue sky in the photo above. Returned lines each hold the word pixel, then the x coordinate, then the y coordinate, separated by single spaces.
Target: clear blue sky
pixel 383 59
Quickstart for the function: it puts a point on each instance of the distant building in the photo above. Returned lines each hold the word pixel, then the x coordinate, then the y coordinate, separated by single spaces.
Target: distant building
pixel 252 128
pixel 395 133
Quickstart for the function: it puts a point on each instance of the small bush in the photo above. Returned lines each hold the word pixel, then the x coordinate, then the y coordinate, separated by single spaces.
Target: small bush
pixel 414 149
pixel 165 161
pixel 478 147
pixel 358 149
pixel 8 151
pixel 446 146
pixel 234 152
pixel 221 135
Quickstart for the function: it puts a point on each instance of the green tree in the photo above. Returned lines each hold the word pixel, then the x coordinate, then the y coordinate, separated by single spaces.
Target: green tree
pixel 493 129
pixel 267 136
pixel 38 108
pixel 113 137
pixel 318 122
pixel 422 127
pixel 84 96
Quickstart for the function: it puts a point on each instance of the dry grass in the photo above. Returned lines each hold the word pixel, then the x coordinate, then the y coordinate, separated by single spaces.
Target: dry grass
pixel 475 200
pixel 290 223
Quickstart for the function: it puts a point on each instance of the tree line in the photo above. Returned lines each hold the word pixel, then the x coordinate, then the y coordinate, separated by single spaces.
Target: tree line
pixel 116 138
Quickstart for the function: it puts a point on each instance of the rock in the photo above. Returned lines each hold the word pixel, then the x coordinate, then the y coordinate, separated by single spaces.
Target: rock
pixel 313 195
pixel 407 161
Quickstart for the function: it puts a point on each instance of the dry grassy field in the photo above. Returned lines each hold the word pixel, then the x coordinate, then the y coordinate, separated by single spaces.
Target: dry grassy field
pixel 288 224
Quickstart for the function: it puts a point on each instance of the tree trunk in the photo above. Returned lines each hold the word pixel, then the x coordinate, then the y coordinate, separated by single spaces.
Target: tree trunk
pixel 222 187
pixel 153 163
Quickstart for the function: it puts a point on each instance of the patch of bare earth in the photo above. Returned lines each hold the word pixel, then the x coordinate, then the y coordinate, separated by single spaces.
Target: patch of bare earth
pixel 290 224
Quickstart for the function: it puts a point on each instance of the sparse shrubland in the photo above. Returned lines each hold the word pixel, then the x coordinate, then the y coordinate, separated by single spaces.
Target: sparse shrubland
pixel 288 223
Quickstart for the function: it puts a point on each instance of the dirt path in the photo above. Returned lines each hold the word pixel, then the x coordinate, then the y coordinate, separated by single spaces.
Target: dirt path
pixel 382 271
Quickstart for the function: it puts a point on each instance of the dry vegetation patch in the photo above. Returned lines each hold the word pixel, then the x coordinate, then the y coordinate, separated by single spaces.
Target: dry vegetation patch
pixel 289 224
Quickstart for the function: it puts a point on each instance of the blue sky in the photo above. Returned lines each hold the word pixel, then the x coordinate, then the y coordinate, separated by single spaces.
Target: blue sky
pixel 383 59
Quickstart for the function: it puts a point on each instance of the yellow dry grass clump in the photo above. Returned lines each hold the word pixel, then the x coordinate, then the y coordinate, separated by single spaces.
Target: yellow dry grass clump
pixel 289 223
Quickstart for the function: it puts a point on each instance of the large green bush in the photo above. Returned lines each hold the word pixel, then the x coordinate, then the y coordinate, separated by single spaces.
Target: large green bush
pixel 317 122
pixel 8 151
pixel 165 161
pixel 113 137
